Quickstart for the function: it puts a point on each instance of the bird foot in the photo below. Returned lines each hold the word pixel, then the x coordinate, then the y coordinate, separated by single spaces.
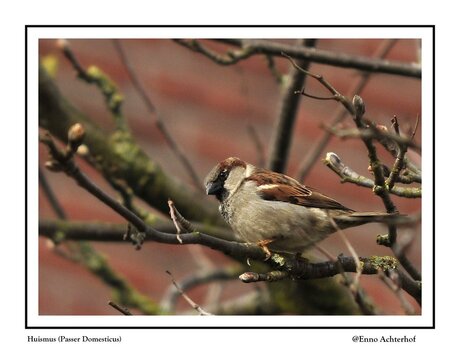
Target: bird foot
pixel 263 244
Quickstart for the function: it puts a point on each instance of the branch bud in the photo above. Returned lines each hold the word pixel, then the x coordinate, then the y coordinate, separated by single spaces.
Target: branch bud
pixel 249 277
pixel 333 161
pixel 359 106
pixel 62 43
pixel 76 135
pixel 83 150
pixel 53 165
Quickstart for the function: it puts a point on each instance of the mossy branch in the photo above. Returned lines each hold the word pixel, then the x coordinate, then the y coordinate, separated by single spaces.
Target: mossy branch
pixel 119 155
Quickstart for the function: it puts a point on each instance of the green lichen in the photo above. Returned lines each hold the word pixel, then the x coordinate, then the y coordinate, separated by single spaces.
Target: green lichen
pixel 383 263
pixel 123 292
pixel 312 297
pixel 383 240
pixel 59 237
pixel 94 72
pixel 113 97
pixel 117 99
pixel 149 218
pixel 50 63
pixel 134 299
pixel 123 145
pixel 278 259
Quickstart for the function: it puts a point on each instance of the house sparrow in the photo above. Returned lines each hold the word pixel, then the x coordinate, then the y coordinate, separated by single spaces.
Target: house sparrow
pixel 272 209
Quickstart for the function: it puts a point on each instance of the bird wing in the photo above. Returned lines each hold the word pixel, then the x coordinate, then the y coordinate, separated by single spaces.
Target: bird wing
pixel 278 187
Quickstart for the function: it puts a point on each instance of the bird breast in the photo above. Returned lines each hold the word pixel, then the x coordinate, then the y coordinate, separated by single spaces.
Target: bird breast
pixel 291 227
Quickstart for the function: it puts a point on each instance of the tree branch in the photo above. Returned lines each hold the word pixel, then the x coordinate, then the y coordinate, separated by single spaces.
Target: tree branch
pixel 117 307
pixel 357 108
pixel 296 267
pixel 315 55
pixel 281 140
pixel 259 147
pixel 381 135
pixel 158 120
pixel 334 162
pixel 188 299
pixel 119 155
pixel 55 205
pixel 231 57
pixel 205 277
pixel 299 268
pixel 93 75
pixel 108 232
pixel 340 113
pixel 257 302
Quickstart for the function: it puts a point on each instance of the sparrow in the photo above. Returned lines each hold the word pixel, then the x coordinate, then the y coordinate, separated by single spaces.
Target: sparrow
pixel 274 210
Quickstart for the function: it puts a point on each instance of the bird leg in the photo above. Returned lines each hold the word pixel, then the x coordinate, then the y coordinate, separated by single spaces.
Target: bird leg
pixel 263 244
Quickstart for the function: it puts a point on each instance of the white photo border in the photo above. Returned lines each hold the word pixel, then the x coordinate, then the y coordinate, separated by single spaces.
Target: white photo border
pixel 35 33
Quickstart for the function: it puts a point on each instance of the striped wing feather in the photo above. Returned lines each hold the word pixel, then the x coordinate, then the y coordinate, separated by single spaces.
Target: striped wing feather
pixel 278 187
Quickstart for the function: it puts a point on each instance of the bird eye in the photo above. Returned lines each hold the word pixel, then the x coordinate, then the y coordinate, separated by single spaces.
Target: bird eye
pixel 223 174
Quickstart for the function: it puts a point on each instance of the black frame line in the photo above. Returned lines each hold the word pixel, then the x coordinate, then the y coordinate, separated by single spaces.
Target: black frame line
pixel 27 326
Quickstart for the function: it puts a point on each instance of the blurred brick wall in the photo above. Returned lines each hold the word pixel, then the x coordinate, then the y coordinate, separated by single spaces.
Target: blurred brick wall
pixel 207 108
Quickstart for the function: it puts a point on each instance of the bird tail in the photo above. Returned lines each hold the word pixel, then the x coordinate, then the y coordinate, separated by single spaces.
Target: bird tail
pixel 360 218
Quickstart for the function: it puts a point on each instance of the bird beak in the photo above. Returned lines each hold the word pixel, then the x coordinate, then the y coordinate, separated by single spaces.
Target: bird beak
pixel 213 188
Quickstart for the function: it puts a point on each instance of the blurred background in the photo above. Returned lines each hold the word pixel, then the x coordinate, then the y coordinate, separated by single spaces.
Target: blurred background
pixel 212 112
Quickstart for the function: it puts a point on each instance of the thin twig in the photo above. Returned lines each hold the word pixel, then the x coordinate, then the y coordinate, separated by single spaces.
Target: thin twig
pixel 374 133
pixel 374 162
pixel 242 251
pixel 70 168
pixel 64 45
pixel 201 278
pixel 255 139
pixel 400 249
pixel 158 119
pixel 197 253
pixel 257 302
pixel 62 160
pixel 356 107
pixel 117 307
pixel 145 177
pixel 395 124
pixel 337 96
pixel 253 277
pixel 334 162
pixel 417 121
pixel 320 98
pixel 280 143
pixel 340 114
pixel 108 232
pixel 94 75
pixel 359 267
pixel 181 223
pixel 276 74
pixel 365 304
pixel 69 250
pixel 54 202
pixel 315 55
pixel 397 167
pixel 187 298
pixel 400 158
pixel 390 281
pixel 174 220
pixel 381 187
pixel 230 58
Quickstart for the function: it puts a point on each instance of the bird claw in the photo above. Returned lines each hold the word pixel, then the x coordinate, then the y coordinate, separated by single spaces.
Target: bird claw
pixel 263 244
